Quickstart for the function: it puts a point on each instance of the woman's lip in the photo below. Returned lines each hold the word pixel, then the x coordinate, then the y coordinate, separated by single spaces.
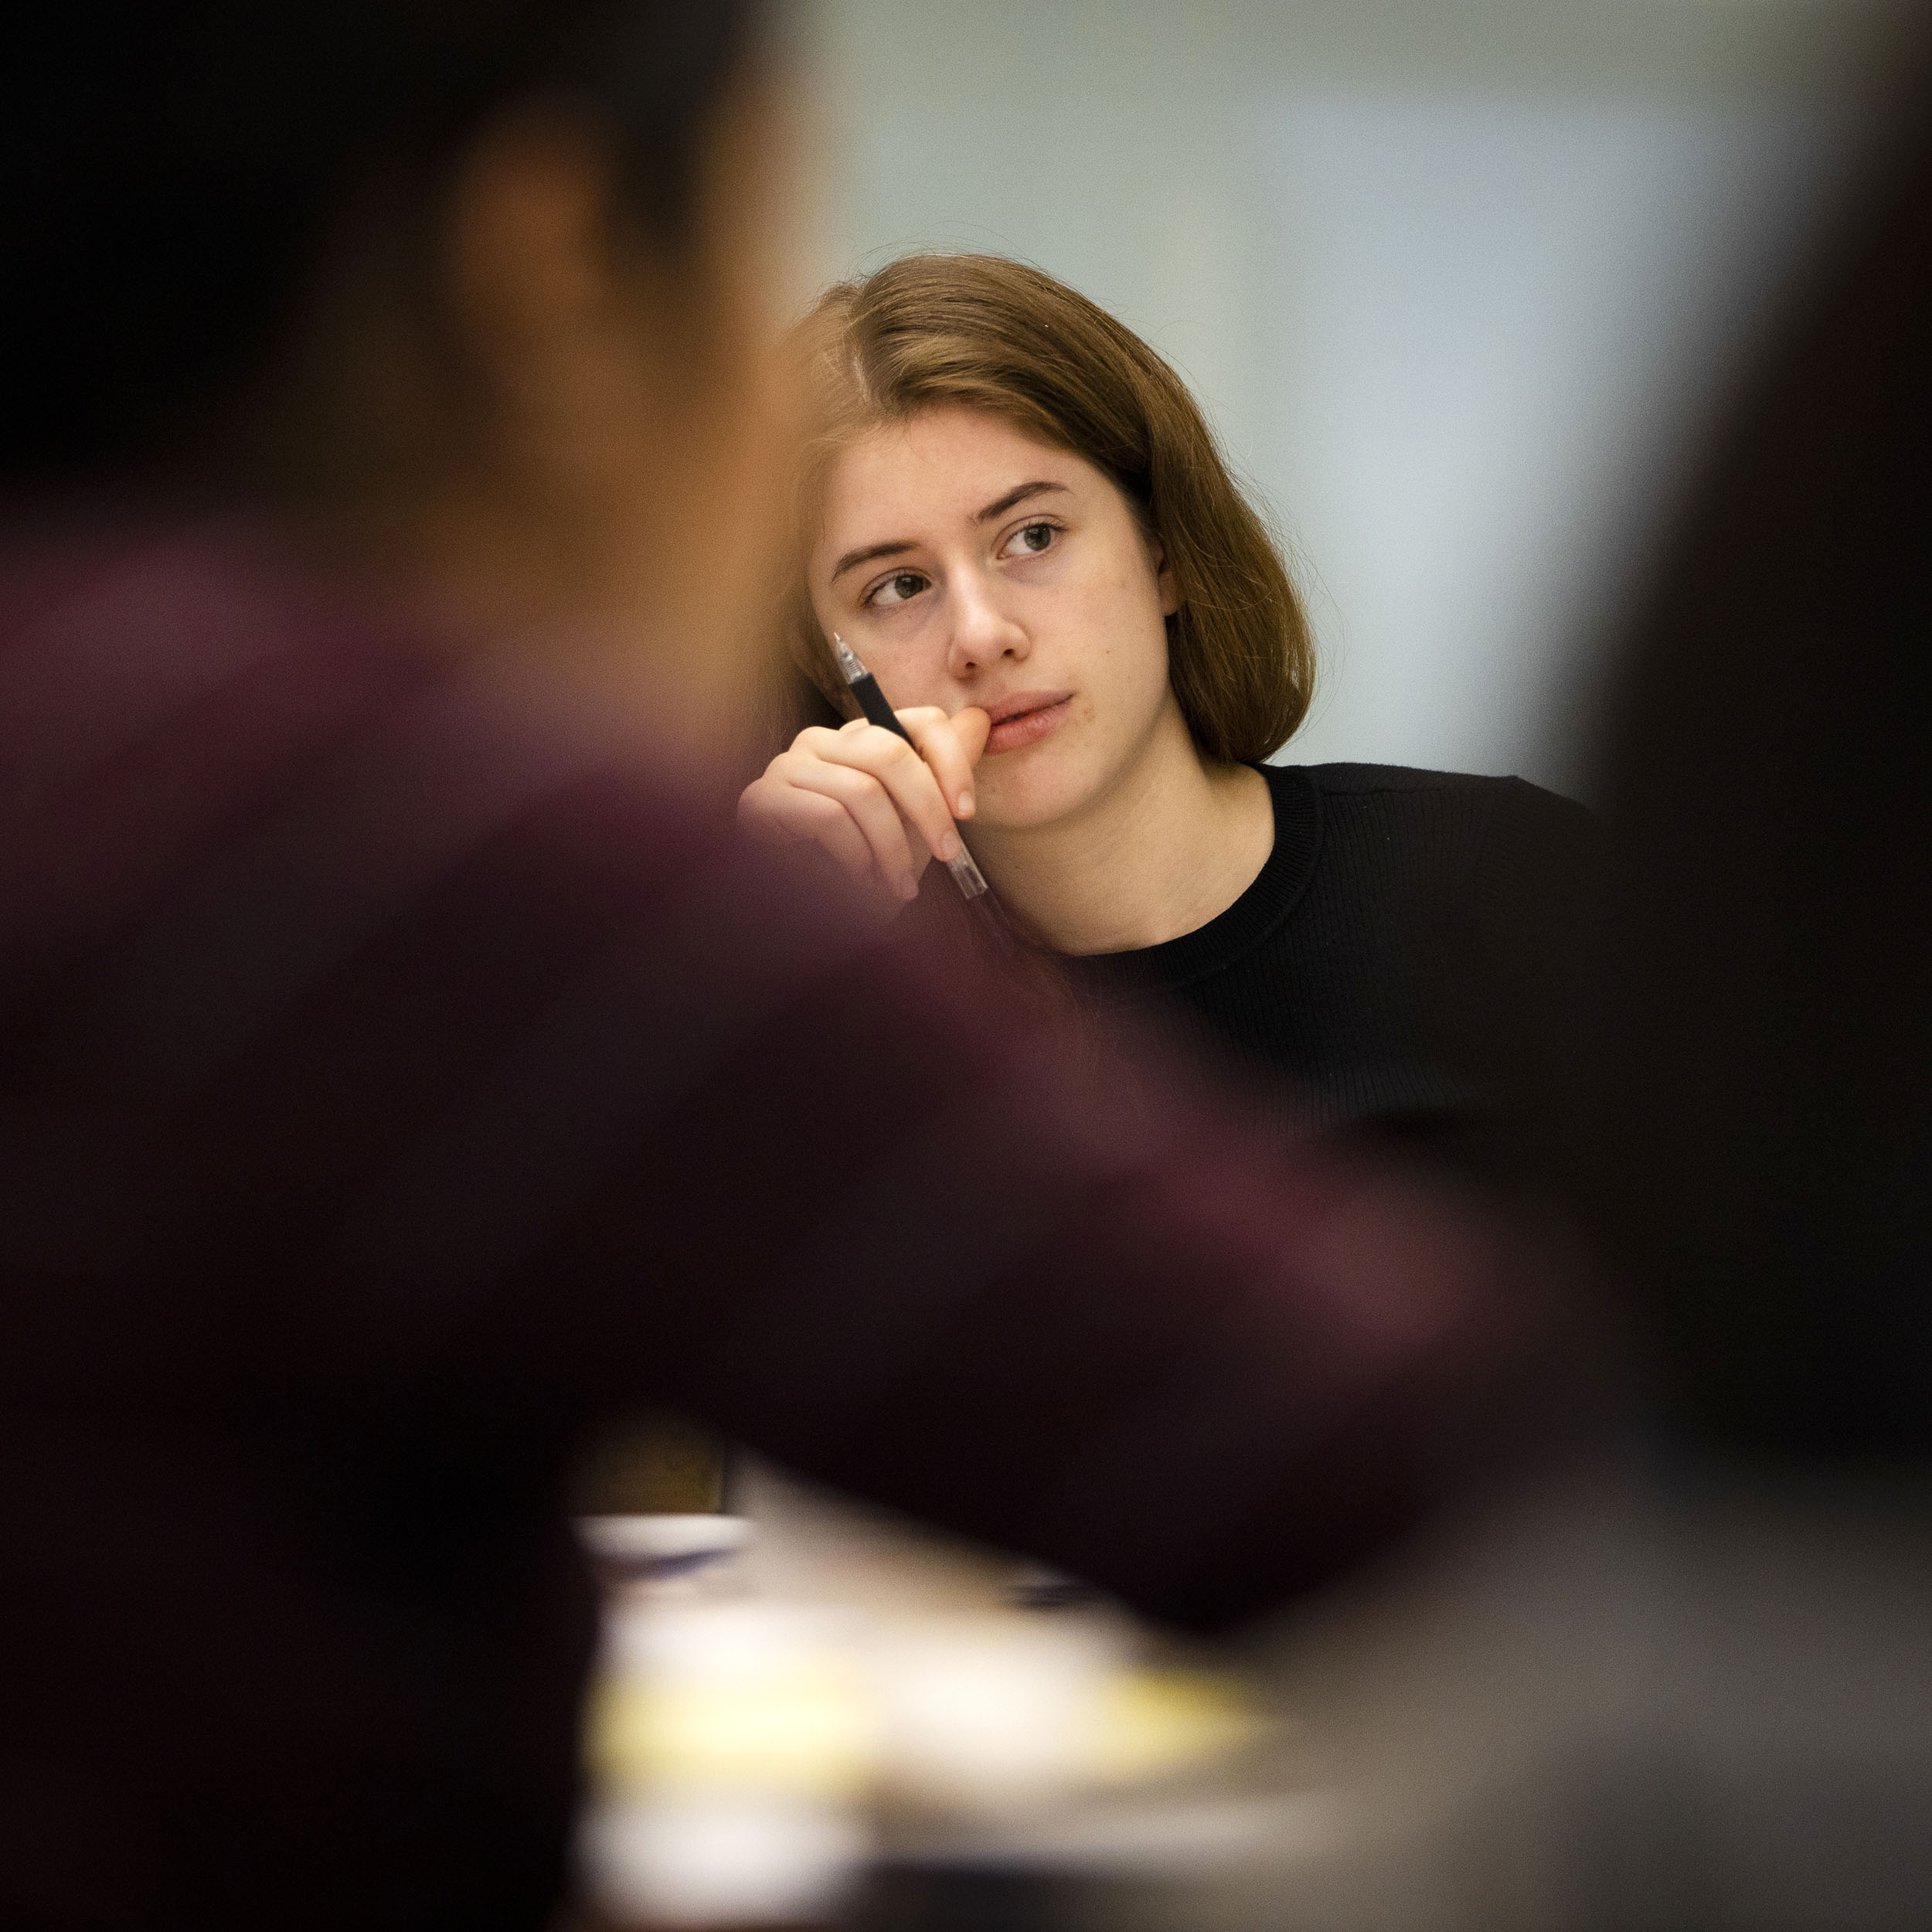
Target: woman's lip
pixel 1027 727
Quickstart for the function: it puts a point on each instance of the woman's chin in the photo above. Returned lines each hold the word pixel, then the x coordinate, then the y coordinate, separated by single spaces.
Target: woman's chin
pixel 1028 805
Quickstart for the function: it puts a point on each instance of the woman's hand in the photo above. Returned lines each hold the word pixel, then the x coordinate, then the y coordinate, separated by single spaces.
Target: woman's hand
pixel 882 807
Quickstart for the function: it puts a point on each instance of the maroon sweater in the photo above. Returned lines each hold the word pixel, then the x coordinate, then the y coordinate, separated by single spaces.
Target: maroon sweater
pixel 396 1077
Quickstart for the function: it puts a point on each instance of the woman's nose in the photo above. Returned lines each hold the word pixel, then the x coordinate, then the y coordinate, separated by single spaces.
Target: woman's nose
pixel 983 634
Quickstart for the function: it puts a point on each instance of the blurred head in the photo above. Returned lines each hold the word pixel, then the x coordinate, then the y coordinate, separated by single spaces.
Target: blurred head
pixel 1754 1137
pixel 1128 571
pixel 483 280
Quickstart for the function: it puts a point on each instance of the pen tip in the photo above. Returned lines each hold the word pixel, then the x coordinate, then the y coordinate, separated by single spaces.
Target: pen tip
pixel 848 665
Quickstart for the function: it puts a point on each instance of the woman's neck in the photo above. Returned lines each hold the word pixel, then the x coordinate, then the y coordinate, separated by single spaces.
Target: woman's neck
pixel 1169 847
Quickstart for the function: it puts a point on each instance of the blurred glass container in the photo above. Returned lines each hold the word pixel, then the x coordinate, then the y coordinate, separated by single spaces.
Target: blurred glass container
pixel 729 1742
pixel 650 1462
pixel 667 1558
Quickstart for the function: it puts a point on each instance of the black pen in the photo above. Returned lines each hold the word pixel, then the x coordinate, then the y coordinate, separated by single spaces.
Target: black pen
pixel 967 876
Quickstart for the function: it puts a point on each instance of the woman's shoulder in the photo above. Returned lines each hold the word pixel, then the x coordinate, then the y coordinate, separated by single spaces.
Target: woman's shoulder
pixel 1498 834
pixel 1350 777
pixel 1411 791
pixel 1346 780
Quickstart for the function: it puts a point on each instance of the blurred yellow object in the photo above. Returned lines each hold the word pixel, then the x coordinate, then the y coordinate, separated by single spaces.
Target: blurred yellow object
pixel 1149 1723
pixel 736 1746
pixel 797 1722
pixel 807 1722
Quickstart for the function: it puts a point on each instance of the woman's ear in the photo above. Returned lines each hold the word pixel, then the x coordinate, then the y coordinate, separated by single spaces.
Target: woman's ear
pixel 527 238
pixel 628 426
pixel 603 356
pixel 567 337
pixel 560 301
pixel 1163 576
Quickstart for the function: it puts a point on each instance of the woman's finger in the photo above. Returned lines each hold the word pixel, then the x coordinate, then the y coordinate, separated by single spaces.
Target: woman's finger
pixel 951 747
pixel 901 768
pixel 866 801
pixel 775 813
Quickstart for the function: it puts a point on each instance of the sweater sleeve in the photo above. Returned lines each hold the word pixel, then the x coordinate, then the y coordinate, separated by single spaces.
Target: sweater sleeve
pixel 397 1080
pixel 866 1207
pixel 452 1077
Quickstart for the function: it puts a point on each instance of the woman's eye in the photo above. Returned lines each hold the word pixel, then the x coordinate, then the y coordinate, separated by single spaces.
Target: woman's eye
pixel 899 588
pixel 1031 538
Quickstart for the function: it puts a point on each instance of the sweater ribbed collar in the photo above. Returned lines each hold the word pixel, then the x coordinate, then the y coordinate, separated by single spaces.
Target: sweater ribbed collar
pixel 1252 919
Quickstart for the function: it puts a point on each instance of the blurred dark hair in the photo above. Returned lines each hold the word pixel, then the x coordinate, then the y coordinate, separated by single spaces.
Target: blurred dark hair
pixel 168 171
pixel 1759 1149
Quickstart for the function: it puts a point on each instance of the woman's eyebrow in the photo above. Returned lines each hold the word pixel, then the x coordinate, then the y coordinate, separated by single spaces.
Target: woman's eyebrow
pixel 872 551
pixel 867 555
pixel 1019 495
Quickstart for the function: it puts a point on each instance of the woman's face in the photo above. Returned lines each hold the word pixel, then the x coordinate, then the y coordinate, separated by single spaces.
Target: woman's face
pixel 967 564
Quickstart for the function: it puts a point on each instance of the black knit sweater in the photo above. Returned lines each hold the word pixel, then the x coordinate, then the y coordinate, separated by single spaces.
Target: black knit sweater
pixel 1395 968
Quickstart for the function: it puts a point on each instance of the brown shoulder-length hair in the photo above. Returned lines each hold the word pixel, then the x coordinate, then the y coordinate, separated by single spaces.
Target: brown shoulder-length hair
pixel 929 331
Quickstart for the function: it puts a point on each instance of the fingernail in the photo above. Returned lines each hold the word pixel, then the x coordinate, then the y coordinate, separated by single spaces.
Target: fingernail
pixel 965 805
pixel 909 889
pixel 949 848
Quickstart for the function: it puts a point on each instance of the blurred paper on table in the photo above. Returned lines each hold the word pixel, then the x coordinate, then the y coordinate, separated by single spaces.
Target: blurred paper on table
pixel 749 1759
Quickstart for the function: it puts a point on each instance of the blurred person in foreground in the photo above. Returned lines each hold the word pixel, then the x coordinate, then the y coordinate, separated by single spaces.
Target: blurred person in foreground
pixel 393 1039
pixel 1756 1156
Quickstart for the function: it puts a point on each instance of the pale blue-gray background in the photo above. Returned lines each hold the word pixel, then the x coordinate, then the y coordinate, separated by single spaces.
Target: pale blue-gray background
pixel 1457 280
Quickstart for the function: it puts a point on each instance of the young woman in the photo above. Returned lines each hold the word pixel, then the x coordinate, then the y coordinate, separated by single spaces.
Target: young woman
pixel 1014 512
